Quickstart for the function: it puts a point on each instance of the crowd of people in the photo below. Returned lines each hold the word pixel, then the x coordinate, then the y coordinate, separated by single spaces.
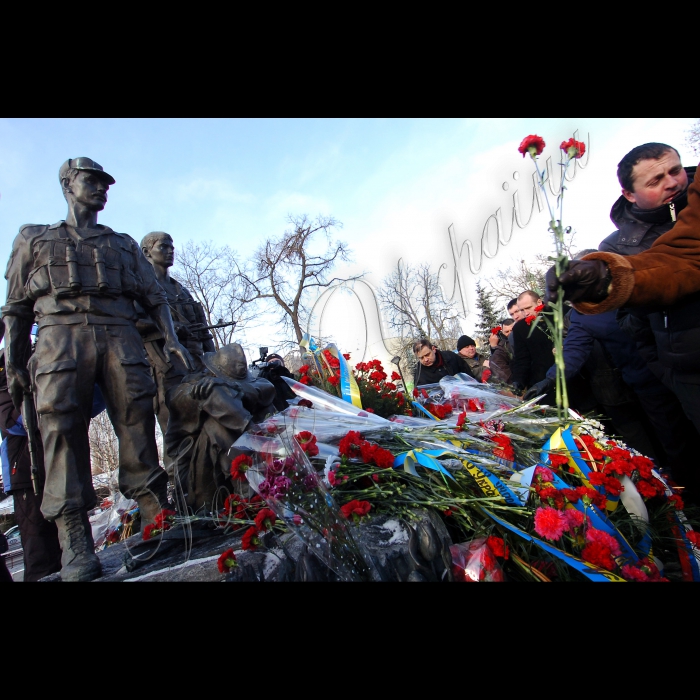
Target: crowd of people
pixel 632 327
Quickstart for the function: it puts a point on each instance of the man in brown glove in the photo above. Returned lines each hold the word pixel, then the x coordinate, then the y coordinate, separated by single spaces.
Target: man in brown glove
pixel 661 284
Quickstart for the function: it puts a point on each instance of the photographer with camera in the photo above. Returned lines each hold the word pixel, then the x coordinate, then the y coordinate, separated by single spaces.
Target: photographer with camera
pixel 271 367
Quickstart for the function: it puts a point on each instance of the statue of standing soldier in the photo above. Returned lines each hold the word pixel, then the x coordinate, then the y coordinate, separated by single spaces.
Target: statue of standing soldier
pixel 189 322
pixel 79 281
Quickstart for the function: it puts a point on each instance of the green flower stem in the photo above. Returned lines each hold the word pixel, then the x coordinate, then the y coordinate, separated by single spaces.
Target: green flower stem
pixel 556 324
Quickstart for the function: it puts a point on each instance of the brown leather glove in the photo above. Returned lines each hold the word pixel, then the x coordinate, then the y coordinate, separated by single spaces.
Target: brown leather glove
pixel 583 280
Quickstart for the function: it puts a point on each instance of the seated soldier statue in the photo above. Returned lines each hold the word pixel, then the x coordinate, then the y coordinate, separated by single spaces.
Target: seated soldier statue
pixel 213 407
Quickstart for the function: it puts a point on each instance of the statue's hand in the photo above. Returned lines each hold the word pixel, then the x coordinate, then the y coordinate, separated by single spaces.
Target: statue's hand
pixel 18 384
pixel 172 347
pixel 203 388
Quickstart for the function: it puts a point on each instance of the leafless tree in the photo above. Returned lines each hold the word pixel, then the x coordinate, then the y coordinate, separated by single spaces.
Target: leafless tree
pixel 693 137
pixel 211 275
pixel 508 283
pixel 287 271
pixel 414 308
pixel 104 446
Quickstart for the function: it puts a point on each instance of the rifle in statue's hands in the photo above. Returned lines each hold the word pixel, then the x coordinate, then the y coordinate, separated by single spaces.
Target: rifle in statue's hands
pixel 29 420
pixel 197 328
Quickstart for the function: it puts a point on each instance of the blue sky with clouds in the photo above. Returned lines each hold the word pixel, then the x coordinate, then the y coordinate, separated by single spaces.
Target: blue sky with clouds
pixel 396 184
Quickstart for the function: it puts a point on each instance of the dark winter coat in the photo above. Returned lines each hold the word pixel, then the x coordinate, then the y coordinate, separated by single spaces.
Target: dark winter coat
pixel 619 347
pixel 475 364
pixel 660 289
pixel 638 228
pixel 499 362
pixel 533 354
pixel 447 364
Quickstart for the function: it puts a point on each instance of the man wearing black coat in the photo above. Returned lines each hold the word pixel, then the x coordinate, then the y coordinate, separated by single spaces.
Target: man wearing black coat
pixel 434 364
pixel 533 350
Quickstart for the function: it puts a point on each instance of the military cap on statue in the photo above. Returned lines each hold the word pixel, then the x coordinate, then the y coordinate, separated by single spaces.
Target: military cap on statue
pixel 84 164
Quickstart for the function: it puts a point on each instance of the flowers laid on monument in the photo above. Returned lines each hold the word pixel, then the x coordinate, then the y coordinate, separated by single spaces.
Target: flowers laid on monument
pixel 162 522
pixel 525 495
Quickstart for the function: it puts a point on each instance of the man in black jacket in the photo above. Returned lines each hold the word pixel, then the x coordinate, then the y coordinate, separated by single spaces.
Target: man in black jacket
pixel 434 364
pixel 533 350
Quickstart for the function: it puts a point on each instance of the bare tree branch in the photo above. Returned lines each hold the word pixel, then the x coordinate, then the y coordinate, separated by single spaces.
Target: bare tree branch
pixel 285 270
pixel 212 276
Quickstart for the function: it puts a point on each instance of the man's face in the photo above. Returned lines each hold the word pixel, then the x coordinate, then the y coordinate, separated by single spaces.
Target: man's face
pixel 469 351
pixel 527 305
pixel 515 313
pixel 426 356
pixel 90 190
pixel 506 330
pixel 163 252
pixel 657 182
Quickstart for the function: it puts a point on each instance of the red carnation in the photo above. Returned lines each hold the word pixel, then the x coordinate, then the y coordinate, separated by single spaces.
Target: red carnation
pixel 265 519
pixel 250 539
pixel 240 466
pixel 556 461
pixel 227 561
pixel 573 148
pixel 151 531
pixel 498 546
pixel 346 355
pixel 532 144
pixel 383 458
pixel 599 555
pixel 395 376
pixel 334 380
pixel 595 535
pixel 164 519
pixel 356 509
pixel 505 448
pixel 550 523
pixel 496 330
pixel 349 446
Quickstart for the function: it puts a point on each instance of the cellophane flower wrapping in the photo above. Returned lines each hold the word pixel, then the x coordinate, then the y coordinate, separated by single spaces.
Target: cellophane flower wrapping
pixel 474 561
pixel 472 397
pixel 283 475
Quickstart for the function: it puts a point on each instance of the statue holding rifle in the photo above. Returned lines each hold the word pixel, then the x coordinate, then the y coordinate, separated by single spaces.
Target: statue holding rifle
pixel 80 280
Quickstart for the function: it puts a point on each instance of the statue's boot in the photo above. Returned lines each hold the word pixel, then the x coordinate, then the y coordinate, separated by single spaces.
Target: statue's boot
pixel 150 504
pixel 78 559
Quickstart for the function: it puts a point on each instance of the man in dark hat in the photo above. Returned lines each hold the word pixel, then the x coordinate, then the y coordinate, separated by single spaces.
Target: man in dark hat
pixel 209 410
pixel 79 281
pixel 466 348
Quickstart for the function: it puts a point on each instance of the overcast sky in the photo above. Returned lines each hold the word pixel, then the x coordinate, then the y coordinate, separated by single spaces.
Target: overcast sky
pixel 395 184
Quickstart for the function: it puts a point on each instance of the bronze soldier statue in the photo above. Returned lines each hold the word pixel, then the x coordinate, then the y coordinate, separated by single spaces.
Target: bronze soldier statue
pixel 213 407
pixel 188 317
pixel 79 280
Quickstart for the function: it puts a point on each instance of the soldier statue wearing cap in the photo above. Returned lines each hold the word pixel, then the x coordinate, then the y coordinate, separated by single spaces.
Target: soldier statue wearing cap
pixel 79 280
